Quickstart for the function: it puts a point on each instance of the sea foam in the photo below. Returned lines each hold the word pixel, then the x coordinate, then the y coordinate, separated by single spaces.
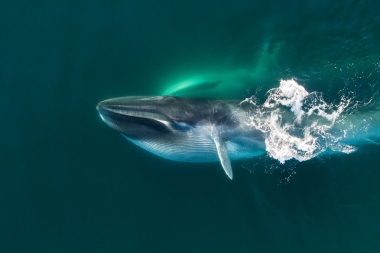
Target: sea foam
pixel 297 124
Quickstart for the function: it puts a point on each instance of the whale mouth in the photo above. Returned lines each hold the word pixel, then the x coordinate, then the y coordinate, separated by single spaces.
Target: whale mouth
pixel 128 114
pixel 112 112
pixel 133 107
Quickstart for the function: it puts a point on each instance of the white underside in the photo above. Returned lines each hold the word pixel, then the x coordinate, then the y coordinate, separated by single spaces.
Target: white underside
pixel 198 146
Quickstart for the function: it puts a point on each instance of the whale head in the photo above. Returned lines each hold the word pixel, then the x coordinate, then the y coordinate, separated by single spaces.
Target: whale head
pixel 141 116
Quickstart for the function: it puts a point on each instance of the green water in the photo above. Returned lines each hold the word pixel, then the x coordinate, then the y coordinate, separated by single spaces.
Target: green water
pixel 68 183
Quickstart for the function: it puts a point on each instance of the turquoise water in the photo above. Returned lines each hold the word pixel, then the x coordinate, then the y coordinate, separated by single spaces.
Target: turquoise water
pixel 70 184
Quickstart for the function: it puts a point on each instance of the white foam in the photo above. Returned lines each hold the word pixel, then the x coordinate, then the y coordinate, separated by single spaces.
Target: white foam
pixel 289 94
pixel 296 123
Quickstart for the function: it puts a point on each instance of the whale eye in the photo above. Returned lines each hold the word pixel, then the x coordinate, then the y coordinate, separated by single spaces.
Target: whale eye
pixel 181 126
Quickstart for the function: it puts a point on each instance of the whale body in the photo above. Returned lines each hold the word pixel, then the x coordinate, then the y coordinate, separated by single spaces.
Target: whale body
pixel 184 129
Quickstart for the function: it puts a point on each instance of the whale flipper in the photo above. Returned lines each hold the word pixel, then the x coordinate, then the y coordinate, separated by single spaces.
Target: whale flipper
pixel 223 156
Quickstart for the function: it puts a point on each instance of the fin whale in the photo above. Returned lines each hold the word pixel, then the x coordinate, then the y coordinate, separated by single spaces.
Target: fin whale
pixel 184 129
pixel 207 130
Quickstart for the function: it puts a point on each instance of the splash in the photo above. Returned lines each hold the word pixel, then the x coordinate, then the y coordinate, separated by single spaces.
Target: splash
pixel 298 124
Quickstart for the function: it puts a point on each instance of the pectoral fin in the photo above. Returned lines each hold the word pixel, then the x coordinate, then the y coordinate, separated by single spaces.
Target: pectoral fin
pixel 223 156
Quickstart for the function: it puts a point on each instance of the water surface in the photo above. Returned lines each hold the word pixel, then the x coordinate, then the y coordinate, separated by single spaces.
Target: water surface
pixel 70 184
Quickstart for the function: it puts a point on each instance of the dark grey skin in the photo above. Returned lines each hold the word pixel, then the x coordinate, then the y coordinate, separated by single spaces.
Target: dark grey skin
pixel 185 129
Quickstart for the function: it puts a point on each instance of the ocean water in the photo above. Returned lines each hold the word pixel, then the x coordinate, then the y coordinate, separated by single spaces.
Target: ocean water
pixel 68 183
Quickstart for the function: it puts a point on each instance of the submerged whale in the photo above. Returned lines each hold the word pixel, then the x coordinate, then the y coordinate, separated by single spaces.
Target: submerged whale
pixel 185 129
